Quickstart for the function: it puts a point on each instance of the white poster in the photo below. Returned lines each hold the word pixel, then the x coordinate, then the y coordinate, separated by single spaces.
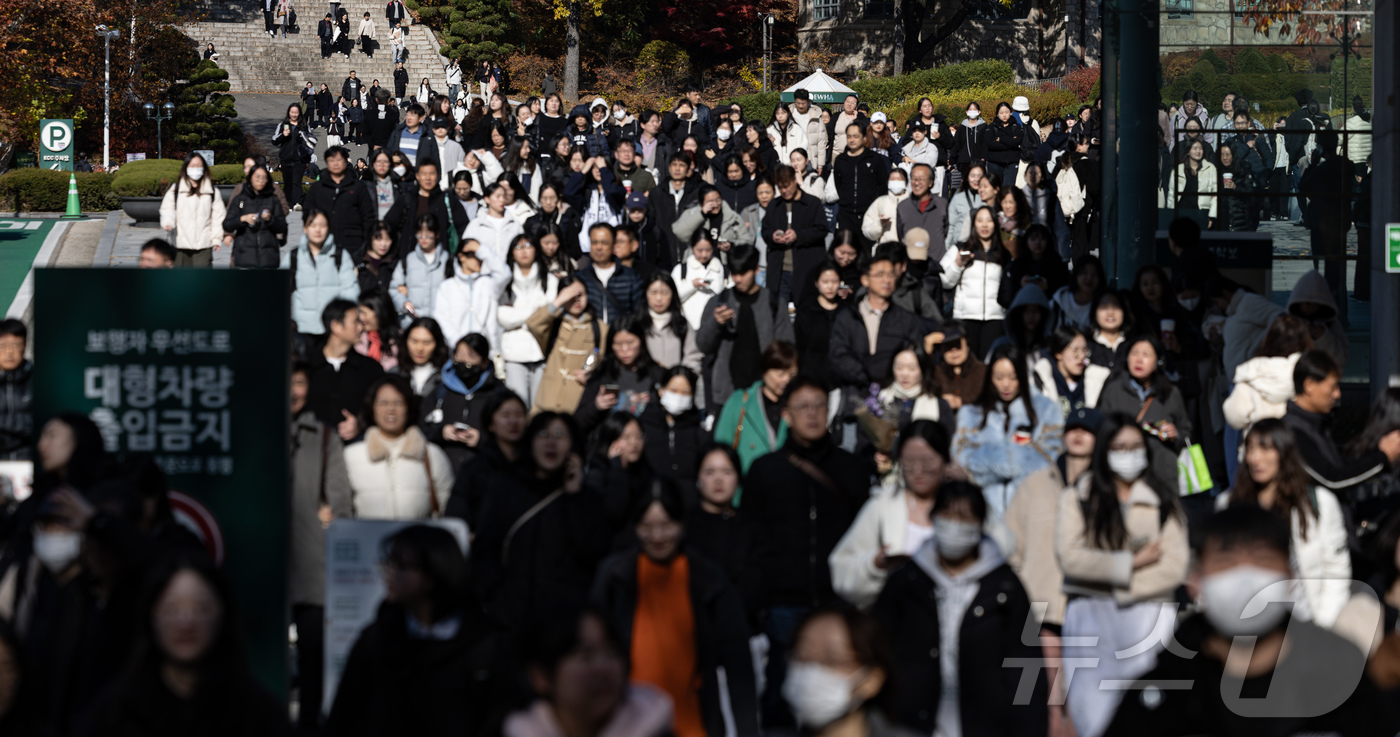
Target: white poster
pixel 355 586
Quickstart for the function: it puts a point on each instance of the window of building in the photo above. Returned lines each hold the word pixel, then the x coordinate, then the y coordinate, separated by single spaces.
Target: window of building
pixel 1179 8
pixel 879 8
pixel 826 9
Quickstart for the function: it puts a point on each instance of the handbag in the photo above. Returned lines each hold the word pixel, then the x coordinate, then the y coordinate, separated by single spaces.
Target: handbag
pixel 739 428
pixel 1192 471
pixel 434 509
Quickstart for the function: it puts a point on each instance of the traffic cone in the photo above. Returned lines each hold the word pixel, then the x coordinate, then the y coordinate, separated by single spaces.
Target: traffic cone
pixel 74 211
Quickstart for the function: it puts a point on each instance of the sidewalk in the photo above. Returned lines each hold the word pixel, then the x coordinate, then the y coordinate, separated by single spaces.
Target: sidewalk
pixel 121 241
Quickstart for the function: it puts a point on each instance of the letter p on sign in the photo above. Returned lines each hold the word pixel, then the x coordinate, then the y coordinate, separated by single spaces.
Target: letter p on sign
pixel 57 135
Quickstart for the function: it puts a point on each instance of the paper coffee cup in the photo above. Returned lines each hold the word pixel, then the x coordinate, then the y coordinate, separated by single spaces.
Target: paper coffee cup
pixel 1229 177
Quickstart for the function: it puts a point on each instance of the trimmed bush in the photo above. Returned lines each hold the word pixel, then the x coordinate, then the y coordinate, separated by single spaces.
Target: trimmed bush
pixel 45 190
pixel 227 173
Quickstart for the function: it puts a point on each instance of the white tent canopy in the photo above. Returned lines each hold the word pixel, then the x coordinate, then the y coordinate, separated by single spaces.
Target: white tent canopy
pixel 821 87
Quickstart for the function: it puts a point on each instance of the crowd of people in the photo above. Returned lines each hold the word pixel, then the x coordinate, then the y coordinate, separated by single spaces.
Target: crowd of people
pixel 824 423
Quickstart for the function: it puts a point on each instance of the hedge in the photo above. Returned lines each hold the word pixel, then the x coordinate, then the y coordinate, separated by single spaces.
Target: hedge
pixel 1274 92
pixel 889 93
pixel 151 177
pixel 1045 106
pixel 46 190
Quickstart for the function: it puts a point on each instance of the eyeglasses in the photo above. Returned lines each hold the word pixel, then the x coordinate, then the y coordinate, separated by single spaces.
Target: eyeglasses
pixel 802 409
pixel 560 434
pixel 522 246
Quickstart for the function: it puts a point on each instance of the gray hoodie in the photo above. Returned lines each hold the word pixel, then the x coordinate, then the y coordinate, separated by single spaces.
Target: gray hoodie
pixel 1312 288
pixel 954 595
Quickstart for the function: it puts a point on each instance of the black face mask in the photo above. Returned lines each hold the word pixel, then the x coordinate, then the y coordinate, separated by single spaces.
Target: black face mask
pixel 468 374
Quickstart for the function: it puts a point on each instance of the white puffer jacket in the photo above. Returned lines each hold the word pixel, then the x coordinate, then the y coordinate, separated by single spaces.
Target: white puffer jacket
pixel 1094 378
pixel 1262 389
pixel 977 284
pixel 693 299
pixel 197 215
pixel 518 345
pixel 389 479
pixel 796 138
pixel 494 233
pixel 883 207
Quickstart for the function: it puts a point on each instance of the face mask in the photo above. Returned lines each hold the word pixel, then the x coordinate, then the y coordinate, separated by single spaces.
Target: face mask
pixel 974 114
pixel 619 114
pixel 954 540
pixel 401 170
pixel 57 550
pixel 1227 596
pixel 676 404
pixel 1188 304
pixel 897 187
pixel 723 135
pixel 1128 464
pixel 468 374
pixel 195 174
pixel 818 695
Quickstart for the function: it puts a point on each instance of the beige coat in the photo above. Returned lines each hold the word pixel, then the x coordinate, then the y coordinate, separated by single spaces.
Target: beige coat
pixel 559 391
pixel 1030 518
pixel 392 480
pixel 196 215
pixel 1092 571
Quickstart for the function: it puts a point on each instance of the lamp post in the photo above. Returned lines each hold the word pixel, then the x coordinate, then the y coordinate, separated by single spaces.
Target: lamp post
pixel 767 22
pixel 168 110
pixel 107 36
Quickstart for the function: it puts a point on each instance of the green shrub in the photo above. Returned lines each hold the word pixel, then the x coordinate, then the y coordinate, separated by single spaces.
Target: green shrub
pixel 1218 64
pixel 662 63
pixel 46 190
pixel 1252 61
pixel 227 173
pixel 1355 81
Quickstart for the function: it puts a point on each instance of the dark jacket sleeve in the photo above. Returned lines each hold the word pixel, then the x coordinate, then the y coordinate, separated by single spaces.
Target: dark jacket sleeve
pixel 731 626
pixel 350 712
pixel 1334 476
pixel 574 192
pixel 844 362
pixel 812 232
pixel 711 333
pixel 588 416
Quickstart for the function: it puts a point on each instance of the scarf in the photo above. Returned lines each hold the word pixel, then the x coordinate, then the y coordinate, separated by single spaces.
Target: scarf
pixel 898 392
pixel 659 320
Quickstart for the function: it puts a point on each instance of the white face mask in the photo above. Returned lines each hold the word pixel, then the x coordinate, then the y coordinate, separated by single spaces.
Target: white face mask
pixel 57 550
pixel 974 114
pixel 723 134
pixel 1188 303
pixel 818 695
pixel 1227 598
pixel 195 174
pixel 897 186
pixel 676 404
pixel 953 539
pixel 619 114
pixel 1128 464
pixel 401 170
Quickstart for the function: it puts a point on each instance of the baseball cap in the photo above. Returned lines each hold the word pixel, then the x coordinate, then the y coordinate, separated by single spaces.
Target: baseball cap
pixel 636 201
pixel 1085 417
pixel 916 244
pixel 1021 104
pixel 880 117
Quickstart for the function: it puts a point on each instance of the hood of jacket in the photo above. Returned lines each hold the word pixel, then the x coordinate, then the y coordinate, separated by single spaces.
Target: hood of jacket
pixel 1312 287
pixel 989 558
pixel 644 712
pixel 453 382
pixel 970 123
pixel 1029 296
pixel 415 446
pixel 1271 376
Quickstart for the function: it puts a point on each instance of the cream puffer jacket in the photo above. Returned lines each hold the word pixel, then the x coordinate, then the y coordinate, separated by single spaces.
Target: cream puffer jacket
pixel 197 215
pixel 398 478
pixel 1093 571
pixel 1262 389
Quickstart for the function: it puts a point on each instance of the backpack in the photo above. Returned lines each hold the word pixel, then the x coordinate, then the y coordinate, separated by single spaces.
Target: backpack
pixel 292 262
pixel 1069 191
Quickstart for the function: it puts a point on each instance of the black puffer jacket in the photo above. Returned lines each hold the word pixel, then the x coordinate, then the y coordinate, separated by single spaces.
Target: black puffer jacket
pixel 350 207
pixel 1004 141
pixel 860 179
pixel 16 420
pixel 256 246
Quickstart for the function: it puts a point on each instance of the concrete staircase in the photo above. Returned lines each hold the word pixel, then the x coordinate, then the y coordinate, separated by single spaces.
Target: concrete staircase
pixel 257 63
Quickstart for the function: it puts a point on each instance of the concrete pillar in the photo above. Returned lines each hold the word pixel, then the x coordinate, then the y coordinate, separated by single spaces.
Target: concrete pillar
pixel 1385 195
pixel 1130 98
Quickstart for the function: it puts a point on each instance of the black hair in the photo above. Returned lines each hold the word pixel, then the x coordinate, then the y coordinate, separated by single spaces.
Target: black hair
pixel 800 382
pixel 537 425
pixel 542 272
pixel 1161 385
pixel 678 326
pixel 551 636
pixel 868 642
pixel 335 311
pixel 682 371
pixel 400 384
pixel 612 427
pixel 1185 233
pixel 435 553
pixel 1083 264
pixel 955 494
pixel 388 319
pixel 1248 525
pixel 931 432
pixel 727 451
pixel 743 259
pixel 1103 514
pixel 1110 295
pixel 610 368
pixel 1063 336
pixel 892 251
pixel 161 247
pixel 1316 366
pixel 492 404
pixel 478 343
pixel 440 355
pixel 988 401
pixel 664 491
pixel 879 257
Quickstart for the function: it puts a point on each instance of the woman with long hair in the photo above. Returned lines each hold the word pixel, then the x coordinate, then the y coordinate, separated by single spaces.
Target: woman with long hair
pixel 670 339
pixel 959 371
pixel 189 673
pixel 815 317
pixel 751 421
pixel 1011 432
pixel 520 160
pixel 1110 324
pixel 1274 478
pixel 680 652
pixel 673 430
pixel 257 221
pixel 572 339
pixel 555 211
pixel 321 270
pixel 193 208
pixel 625 379
pixel 379 336
pixel 1013 217
pixel 1193 186
pixel 716 529
pixel 965 201
pixel 519 205
pixel 384 180
pixel 376 272
pixel 295 144
pixel 552 120
pixel 1073 303
pixel 532 286
pixel 786 133
pixel 426 352
pixel 1004 136
pixel 974 268
pixel 499 450
pixel 881 138
pixel 617 467
pixel 1118 519
pixel 1144 392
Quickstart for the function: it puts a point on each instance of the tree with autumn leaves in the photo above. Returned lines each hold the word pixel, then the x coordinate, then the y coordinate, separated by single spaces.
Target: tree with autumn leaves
pixel 54 66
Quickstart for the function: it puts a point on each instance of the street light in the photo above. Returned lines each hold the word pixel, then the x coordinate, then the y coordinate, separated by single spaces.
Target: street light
pixel 168 110
pixel 767 20
pixel 107 36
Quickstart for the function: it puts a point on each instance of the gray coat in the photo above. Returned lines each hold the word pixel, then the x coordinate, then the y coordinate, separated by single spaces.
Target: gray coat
pixel 318 281
pixel 422 281
pixel 731 225
pixel 960 208
pixel 318 467
pixel 934 220
pixel 718 340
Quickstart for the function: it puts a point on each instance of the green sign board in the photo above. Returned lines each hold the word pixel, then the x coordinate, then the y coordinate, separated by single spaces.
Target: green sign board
pixel 1392 248
pixel 56 144
pixel 182 365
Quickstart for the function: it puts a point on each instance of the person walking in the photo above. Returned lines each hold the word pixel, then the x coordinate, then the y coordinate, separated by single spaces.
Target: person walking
pixel 257 221
pixel 193 209
pixel 454 80
pixel 295 143
pixel 325 30
pixel 395 13
pixel 285 14
pixel 269 9
pixel 366 33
